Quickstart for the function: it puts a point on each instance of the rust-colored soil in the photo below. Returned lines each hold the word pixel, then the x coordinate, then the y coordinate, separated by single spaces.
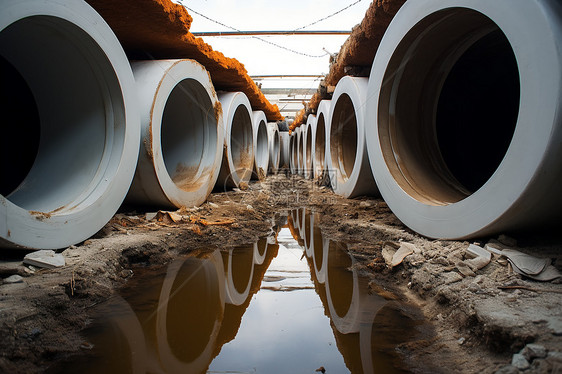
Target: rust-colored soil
pixel 159 29
pixel 357 53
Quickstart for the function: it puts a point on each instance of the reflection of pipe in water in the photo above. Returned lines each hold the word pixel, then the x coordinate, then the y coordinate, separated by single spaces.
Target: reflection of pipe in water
pixel 318 249
pixel 190 313
pixel 307 225
pixel 239 269
pixel 260 250
pixel 292 223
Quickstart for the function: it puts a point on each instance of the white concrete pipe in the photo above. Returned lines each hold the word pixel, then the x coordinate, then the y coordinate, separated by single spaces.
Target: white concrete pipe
pixel 348 161
pixel 295 151
pixel 308 148
pixel 320 143
pixel 468 151
pixel 300 153
pixel 71 126
pixel 274 147
pixel 190 309
pixel 182 134
pixel 285 149
pixel 260 145
pixel 238 155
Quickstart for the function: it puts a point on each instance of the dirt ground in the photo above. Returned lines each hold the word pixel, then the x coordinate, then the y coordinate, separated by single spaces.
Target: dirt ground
pixel 479 323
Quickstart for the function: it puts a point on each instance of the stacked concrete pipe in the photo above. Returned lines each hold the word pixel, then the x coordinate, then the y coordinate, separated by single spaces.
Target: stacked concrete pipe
pixel 238 155
pixel 467 151
pixel 295 152
pixel 285 149
pixel 70 143
pixel 308 148
pixel 348 162
pixel 274 147
pixel 260 145
pixel 300 153
pixel 321 135
pixel 182 134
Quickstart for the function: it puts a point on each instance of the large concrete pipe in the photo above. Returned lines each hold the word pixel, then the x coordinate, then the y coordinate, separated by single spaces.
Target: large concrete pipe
pixel 468 151
pixel 238 155
pixel 295 151
pixel 274 147
pixel 308 149
pixel 260 144
pixel 348 161
pixel 319 163
pixel 300 150
pixel 71 126
pixel 285 149
pixel 189 314
pixel 182 134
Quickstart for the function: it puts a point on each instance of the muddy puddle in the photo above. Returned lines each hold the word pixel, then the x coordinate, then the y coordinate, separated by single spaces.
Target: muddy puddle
pixel 289 303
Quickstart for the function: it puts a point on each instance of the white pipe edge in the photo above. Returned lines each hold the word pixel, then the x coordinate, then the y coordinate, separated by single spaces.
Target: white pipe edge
pixel 238 156
pixel 85 164
pixel 348 162
pixel 182 134
pixel 321 139
pixel 524 190
pixel 308 148
pixel 274 147
pixel 260 144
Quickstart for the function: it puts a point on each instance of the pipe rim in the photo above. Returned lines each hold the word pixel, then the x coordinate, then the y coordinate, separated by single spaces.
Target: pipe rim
pixel 308 148
pixel 260 144
pixel 52 222
pixel 321 151
pixel 517 175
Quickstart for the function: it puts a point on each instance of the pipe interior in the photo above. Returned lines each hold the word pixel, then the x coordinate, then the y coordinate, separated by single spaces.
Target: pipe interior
pixel 444 136
pixel 301 149
pixel 292 150
pixel 308 164
pixel 189 135
pixel 261 146
pixel 320 142
pixel 241 139
pixel 276 150
pixel 194 307
pixel 66 124
pixel 343 136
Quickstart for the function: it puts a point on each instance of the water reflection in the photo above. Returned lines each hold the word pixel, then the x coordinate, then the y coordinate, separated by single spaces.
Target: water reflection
pixel 288 303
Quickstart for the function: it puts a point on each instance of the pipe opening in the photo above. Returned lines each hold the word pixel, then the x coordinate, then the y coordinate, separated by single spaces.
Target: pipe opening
pixel 292 151
pixel 80 111
pixel 21 128
pixel 308 165
pixel 262 151
pixel 189 135
pixel 194 307
pixel 320 143
pixel 445 135
pixel 276 150
pixel 301 150
pixel 241 139
pixel 343 136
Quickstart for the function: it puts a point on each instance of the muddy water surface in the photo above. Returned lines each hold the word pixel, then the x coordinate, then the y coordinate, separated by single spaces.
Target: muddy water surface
pixel 290 303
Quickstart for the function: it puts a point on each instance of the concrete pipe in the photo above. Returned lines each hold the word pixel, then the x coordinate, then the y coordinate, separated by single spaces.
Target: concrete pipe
pixel 260 145
pixel 319 163
pixel 302 136
pixel 71 134
pixel 291 159
pixel 189 314
pixel 238 156
pixel 295 151
pixel 239 271
pixel 285 149
pixel 348 159
pixel 468 151
pixel 308 148
pixel 182 134
pixel 274 147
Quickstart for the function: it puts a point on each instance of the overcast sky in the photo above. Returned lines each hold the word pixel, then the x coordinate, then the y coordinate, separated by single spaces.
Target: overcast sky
pixel 259 15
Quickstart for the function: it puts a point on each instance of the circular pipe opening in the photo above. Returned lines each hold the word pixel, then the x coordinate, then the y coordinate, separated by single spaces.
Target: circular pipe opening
pixel 189 135
pixel 262 153
pixel 320 144
pixel 444 136
pixel 308 164
pixel 343 136
pixel 79 103
pixel 276 150
pixel 241 142
pixel 293 153
pixel 301 151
